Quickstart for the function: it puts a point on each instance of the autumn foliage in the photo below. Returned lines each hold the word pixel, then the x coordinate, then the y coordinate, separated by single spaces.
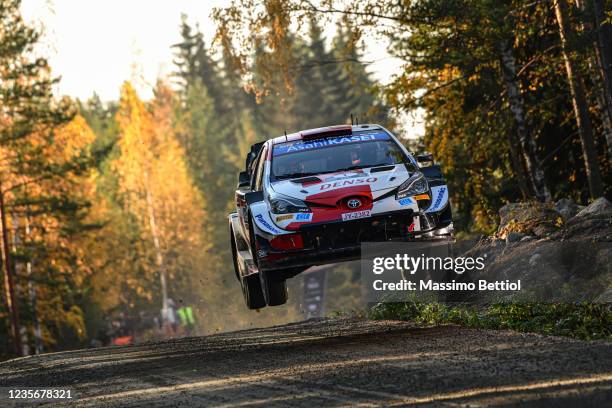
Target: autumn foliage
pixel 110 208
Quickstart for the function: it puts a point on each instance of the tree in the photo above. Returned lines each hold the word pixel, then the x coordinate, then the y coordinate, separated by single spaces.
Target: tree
pixel 28 117
pixel 352 90
pixel 525 139
pixel 596 72
pixel 579 102
pixel 194 63
pixel 165 211
pixel 603 53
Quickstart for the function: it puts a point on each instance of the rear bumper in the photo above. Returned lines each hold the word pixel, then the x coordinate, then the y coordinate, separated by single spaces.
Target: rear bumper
pixel 341 241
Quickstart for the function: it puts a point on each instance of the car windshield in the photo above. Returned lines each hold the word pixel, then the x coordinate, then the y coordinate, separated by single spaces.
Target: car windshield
pixel 327 155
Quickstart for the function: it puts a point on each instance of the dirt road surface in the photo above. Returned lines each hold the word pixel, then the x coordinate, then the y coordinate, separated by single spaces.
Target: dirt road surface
pixel 330 362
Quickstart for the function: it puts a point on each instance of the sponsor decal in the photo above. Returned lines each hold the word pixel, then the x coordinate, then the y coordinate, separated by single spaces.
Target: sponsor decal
pixel 284 217
pixel 304 217
pixel 438 201
pixel 298 146
pixel 266 224
pixel 406 201
pixel 354 174
pixel 422 197
pixel 349 182
pixel 356 215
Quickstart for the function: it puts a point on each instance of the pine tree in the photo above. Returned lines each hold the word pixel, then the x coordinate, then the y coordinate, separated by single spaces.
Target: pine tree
pixel 32 156
pixel 195 63
pixel 311 108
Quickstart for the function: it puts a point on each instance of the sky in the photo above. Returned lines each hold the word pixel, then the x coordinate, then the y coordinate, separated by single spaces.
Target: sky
pixel 95 45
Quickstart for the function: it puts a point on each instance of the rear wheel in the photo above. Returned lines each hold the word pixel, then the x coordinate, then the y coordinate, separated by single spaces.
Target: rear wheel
pixel 251 290
pixel 274 290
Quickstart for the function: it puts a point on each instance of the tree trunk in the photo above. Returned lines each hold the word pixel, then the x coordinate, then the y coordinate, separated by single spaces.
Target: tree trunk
pixel 15 243
pixel 603 48
pixel 159 258
pixel 517 166
pixel 517 107
pixel 33 295
pixel 606 120
pixel 583 121
pixel 9 285
pixel 597 75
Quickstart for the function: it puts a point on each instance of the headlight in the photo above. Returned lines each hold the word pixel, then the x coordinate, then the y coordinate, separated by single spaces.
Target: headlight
pixel 287 206
pixel 416 184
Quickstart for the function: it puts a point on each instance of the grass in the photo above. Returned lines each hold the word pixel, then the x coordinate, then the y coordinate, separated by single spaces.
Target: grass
pixel 585 321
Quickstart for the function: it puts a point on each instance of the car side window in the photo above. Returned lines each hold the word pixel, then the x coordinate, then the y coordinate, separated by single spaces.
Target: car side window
pixel 260 169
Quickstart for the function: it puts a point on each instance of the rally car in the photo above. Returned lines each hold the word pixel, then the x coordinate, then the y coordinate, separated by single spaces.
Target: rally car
pixel 312 197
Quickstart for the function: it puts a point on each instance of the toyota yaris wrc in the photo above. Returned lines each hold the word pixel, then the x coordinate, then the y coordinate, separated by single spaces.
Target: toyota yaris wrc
pixel 312 197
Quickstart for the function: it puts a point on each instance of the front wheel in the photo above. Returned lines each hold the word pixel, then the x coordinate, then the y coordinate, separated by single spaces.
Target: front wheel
pixel 274 290
pixel 251 290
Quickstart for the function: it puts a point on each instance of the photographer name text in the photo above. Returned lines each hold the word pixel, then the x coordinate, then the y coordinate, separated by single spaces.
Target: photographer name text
pixel 482 285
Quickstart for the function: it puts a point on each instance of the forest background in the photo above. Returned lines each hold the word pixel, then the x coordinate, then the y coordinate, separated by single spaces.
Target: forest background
pixel 98 198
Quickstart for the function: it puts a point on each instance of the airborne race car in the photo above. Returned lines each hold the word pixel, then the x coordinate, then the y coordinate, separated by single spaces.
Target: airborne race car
pixel 312 197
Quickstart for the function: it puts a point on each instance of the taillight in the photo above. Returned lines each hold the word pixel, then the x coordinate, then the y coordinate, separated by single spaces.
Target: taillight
pixel 288 241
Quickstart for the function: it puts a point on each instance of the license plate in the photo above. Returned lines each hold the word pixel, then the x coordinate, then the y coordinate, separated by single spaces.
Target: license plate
pixel 356 215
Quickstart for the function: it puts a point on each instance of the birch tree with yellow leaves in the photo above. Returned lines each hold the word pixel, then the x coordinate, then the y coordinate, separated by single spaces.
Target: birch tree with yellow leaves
pixel 155 186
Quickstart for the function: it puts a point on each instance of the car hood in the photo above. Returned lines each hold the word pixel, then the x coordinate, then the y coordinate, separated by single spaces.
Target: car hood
pixel 329 188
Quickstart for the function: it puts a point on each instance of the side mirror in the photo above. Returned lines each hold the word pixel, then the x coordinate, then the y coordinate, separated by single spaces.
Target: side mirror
pixel 243 179
pixel 425 160
pixel 254 197
pixel 252 155
pixel 249 160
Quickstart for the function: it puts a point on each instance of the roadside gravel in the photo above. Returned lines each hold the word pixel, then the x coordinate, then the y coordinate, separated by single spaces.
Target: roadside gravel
pixel 329 362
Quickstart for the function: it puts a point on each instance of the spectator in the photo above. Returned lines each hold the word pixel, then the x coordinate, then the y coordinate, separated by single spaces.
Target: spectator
pixel 169 318
pixel 187 320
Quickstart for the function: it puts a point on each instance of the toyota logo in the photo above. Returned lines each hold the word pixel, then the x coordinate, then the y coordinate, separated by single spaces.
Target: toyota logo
pixel 353 203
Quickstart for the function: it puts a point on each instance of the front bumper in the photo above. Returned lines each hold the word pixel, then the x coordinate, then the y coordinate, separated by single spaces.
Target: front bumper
pixel 340 241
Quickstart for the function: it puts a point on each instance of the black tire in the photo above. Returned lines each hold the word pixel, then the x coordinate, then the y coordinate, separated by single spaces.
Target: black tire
pixel 446 216
pixel 251 290
pixel 274 291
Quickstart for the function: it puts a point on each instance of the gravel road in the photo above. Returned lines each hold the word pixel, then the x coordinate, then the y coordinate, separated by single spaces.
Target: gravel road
pixel 330 362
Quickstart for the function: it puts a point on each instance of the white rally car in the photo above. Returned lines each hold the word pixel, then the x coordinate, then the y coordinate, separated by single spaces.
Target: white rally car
pixel 312 197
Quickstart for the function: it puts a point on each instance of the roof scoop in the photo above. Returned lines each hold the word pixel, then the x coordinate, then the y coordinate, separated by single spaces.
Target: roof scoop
pixel 327 131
